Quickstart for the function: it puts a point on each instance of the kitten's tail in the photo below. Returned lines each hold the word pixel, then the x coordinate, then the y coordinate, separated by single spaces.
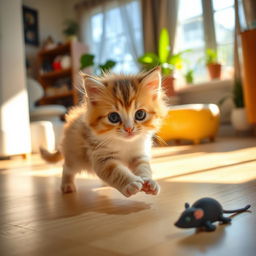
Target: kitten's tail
pixel 51 157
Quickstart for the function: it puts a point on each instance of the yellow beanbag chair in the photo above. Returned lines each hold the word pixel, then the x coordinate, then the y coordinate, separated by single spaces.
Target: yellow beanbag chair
pixel 192 122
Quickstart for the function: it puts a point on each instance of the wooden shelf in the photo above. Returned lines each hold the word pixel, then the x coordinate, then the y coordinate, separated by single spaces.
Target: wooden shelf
pixel 57 50
pixel 49 79
pixel 57 96
pixel 56 74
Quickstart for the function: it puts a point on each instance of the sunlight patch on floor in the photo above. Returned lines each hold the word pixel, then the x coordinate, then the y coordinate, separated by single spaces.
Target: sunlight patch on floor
pixel 228 175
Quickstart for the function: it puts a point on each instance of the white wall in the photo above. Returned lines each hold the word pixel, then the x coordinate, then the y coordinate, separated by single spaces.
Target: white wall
pixel 14 117
pixel 69 11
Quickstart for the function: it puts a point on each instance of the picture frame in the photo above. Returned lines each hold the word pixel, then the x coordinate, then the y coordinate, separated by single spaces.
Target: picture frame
pixel 30 24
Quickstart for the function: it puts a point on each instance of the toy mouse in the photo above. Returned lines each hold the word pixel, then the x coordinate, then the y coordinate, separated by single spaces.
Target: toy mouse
pixel 203 212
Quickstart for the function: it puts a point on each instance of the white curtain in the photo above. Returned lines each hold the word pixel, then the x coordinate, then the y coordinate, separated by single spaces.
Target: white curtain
pixel 135 49
pixel 99 39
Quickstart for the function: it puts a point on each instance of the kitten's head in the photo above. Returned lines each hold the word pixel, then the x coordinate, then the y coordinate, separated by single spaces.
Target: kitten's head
pixel 125 106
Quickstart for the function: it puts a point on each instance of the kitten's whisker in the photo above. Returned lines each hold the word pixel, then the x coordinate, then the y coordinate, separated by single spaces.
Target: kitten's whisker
pixel 80 89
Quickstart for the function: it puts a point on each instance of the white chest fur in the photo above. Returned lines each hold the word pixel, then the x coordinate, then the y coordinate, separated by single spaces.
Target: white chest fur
pixel 127 150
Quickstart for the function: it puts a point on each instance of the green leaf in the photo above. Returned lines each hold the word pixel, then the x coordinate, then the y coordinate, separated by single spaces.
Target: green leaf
pixel 238 95
pixel 164 46
pixel 167 69
pixel 211 56
pixel 86 60
pixel 189 76
pixel 149 60
pixel 109 64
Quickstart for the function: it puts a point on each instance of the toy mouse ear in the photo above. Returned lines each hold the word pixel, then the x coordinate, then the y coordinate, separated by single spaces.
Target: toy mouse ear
pixel 198 214
pixel 187 205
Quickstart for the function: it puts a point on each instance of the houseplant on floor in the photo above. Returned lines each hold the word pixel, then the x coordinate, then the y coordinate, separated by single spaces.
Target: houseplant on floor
pixel 213 66
pixel 168 62
pixel 238 114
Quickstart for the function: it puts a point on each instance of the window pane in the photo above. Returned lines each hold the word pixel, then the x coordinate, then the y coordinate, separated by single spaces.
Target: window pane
pixel 113 23
pixel 224 25
pixel 97 27
pixel 190 27
pixel 221 4
pixel 189 9
pixel 195 62
pixel 190 35
pixel 225 54
pixel 116 44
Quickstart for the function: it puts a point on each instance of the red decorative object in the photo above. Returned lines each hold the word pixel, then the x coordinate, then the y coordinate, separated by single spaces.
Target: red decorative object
pixel 56 65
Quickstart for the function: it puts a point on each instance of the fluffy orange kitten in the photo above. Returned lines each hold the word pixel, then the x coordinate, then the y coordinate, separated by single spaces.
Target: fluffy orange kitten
pixel 111 133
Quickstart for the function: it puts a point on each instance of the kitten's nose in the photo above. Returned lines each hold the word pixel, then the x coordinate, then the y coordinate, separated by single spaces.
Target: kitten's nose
pixel 128 129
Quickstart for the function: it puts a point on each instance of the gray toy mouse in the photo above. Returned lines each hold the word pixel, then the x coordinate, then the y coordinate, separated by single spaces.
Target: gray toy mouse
pixel 203 213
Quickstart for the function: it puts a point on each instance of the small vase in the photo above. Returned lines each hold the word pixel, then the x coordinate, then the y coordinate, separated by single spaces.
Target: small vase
pixel 239 119
pixel 214 70
pixel 168 85
pixel 71 38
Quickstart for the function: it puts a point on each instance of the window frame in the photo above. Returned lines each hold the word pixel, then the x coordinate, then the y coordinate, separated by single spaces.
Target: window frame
pixel 209 24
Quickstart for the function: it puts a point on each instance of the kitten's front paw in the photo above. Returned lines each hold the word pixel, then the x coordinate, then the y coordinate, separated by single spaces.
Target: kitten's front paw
pixel 68 188
pixel 150 187
pixel 132 188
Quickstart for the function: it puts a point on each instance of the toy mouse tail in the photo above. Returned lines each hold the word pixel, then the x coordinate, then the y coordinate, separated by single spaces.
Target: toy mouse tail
pixel 50 157
pixel 238 210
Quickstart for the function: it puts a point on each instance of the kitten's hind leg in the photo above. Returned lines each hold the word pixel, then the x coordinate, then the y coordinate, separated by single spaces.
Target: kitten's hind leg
pixel 68 177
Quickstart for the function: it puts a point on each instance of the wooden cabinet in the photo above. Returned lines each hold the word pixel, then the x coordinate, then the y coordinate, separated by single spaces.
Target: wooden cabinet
pixel 248 39
pixel 60 83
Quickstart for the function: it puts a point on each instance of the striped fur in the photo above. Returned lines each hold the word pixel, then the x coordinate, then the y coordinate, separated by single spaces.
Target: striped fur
pixel 91 142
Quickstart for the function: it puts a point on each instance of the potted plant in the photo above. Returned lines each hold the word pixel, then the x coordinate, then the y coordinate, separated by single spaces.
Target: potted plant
pixel 87 60
pixel 189 76
pixel 214 68
pixel 71 29
pixel 168 62
pixel 238 114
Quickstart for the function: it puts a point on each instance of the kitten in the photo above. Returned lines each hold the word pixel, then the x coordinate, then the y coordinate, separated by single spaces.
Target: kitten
pixel 111 133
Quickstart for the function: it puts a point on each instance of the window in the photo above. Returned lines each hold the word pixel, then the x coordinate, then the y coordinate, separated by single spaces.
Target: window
pixel 190 35
pixel 224 23
pixel 122 38
pixel 194 26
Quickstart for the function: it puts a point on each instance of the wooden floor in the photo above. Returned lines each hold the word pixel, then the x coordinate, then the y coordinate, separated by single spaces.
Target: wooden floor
pixel 36 219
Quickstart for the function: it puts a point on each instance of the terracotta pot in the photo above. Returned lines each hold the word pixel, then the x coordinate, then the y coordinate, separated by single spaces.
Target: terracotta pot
pixel 239 119
pixel 214 70
pixel 168 85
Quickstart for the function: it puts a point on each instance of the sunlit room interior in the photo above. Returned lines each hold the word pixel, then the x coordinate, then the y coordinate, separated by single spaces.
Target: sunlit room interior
pixel 205 51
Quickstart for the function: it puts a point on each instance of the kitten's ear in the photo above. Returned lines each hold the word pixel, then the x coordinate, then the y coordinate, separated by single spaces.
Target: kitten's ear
pixel 93 87
pixel 152 81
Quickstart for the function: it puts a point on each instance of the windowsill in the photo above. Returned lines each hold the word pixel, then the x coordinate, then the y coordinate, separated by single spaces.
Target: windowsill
pixel 205 86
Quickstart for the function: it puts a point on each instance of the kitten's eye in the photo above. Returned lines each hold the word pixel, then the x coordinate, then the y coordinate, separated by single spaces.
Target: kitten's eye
pixel 140 115
pixel 114 117
pixel 187 219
